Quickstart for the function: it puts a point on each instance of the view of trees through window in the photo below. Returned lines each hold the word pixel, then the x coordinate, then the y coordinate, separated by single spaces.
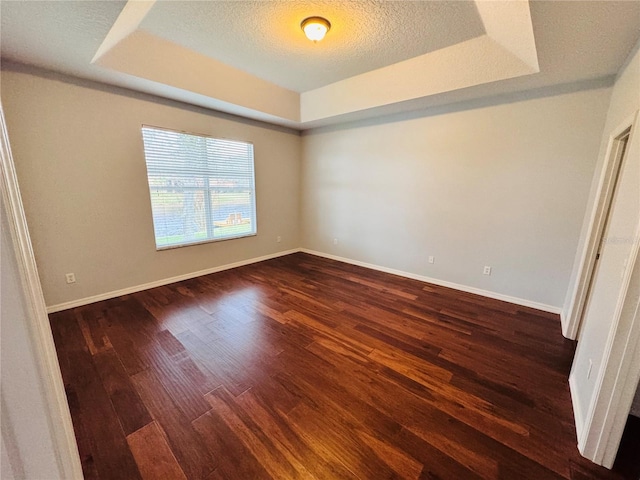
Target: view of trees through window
pixel 201 188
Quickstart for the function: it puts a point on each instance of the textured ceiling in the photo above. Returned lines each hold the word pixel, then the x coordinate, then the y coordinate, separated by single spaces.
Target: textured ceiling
pixel 264 37
pixel 61 35
pixel 225 56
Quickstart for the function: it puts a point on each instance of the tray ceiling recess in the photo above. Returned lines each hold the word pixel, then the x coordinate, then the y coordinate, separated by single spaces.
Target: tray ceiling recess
pixel 251 57
pixel 222 65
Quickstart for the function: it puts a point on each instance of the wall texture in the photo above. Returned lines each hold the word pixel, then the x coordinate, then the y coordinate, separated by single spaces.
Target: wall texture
pixel 80 162
pixel 501 183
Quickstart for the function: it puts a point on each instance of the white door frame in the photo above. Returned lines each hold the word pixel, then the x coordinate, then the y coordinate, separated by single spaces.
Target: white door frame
pixel 59 418
pixel 599 436
pixel 595 228
pixel 616 385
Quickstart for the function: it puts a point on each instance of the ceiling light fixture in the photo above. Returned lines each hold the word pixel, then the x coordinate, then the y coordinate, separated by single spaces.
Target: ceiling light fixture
pixel 315 28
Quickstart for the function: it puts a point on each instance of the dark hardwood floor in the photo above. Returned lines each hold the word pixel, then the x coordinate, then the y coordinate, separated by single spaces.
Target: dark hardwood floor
pixel 302 367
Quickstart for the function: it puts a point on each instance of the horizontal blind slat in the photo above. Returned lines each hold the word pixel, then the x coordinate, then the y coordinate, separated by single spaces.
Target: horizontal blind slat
pixel 201 188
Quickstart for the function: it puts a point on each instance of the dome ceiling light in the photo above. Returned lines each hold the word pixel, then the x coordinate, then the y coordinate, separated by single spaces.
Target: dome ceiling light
pixel 315 28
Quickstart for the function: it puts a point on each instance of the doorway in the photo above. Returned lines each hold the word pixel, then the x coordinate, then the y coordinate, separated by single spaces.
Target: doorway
pixel 617 154
pixel 618 146
pixel 606 365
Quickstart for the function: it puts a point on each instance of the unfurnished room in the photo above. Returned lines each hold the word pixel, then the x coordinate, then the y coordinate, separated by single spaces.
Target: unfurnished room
pixel 290 239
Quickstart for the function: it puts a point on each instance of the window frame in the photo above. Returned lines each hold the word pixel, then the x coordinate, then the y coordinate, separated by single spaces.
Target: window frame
pixel 207 190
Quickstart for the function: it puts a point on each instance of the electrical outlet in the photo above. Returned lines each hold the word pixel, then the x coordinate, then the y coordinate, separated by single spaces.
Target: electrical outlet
pixel 487 270
pixel 278 239
pixel 589 369
pixel 335 241
pixel 431 259
pixel 70 277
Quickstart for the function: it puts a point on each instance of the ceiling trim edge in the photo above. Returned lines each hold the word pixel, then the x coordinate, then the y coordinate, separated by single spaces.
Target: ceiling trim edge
pixel 507 50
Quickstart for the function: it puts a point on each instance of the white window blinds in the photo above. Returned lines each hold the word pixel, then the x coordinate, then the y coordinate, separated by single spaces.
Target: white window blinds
pixel 202 188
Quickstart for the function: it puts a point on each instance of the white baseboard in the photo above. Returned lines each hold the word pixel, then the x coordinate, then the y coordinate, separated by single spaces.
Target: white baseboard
pixel 577 412
pixel 567 332
pixel 164 281
pixel 442 283
pixel 435 281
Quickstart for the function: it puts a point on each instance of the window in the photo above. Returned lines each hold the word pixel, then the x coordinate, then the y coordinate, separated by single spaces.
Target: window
pixel 202 188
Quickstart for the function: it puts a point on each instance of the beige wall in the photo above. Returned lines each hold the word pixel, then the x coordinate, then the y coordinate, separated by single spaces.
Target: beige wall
pixel 503 184
pixel 625 217
pixel 80 163
pixel 500 183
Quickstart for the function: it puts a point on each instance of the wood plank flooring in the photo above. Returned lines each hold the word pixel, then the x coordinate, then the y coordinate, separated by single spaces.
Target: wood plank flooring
pixel 302 367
